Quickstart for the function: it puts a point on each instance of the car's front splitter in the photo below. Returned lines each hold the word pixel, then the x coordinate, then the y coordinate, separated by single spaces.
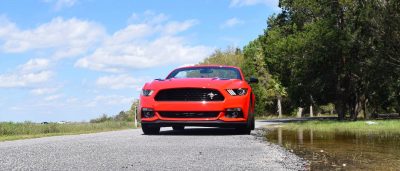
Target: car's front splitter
pixel 216 123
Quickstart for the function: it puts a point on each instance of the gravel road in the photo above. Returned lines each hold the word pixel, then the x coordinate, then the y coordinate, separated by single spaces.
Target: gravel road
pixel 191 149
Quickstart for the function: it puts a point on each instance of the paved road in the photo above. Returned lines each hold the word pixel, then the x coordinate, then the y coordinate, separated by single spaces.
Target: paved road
pixel 191 149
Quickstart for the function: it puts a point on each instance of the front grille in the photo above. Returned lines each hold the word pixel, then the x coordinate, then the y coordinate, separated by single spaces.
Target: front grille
pixel 189 94
pixel 188 114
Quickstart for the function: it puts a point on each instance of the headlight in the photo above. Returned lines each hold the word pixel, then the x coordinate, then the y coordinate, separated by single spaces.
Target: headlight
pixel 237 92
pixel 147 92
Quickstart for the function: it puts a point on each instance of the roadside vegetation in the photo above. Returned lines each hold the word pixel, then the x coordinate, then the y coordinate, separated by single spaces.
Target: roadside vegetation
pixel 14 131
pixel 25 130
pixel 336 57
pixel 383 127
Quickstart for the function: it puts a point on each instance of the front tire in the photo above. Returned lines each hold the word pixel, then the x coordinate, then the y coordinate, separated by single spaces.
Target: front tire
pixel 249 126
pixel 150 129
pixel 243 130
pixel 252 122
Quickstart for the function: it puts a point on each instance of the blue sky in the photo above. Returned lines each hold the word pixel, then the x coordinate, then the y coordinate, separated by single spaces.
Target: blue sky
pixel 74 60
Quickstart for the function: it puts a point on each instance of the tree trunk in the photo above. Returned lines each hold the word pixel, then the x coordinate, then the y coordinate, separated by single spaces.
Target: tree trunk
pixel 311 106
pixel 366 114
pixel 340 101
pixel 340 108
pixel 364 106
pixel 300 112
pixel 279 107
pixel 353 106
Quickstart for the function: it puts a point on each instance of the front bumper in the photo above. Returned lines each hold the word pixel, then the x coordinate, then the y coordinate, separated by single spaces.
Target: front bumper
pixel 202 106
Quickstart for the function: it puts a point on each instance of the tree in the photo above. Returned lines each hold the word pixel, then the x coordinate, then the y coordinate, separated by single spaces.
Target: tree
pixel 340 52
pixel 254 65
pixel 231 56
pixel 336 51
pixel 279 92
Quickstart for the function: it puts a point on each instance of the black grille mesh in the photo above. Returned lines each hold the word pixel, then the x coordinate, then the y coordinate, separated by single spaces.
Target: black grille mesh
pixel 188 114
pixel 189 94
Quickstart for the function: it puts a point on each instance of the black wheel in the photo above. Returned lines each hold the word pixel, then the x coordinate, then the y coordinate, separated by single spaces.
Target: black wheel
pixel 249 126
pixel 252 122
pixel 178 128
pixel 243 130
pixel 150 129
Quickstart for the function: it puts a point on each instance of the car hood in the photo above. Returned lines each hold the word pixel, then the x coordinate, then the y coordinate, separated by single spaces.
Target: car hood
pixel 213 83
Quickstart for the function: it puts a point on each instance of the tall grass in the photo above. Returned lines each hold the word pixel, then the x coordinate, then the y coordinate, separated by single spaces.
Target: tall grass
pixel 374 126
pixel 10 130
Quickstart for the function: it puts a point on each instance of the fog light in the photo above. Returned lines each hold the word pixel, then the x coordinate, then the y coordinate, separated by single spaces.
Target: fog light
pixel 234 113
pixel 147 113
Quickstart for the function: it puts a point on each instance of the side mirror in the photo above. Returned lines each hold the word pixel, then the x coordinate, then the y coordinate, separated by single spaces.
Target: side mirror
pixel 252 80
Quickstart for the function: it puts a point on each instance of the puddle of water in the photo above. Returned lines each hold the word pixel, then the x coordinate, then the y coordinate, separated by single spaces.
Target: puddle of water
pixel 340 151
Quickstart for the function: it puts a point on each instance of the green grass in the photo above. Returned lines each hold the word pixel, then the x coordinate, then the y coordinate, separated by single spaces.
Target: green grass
pixel 285 116
pixel 14 131
pixel 381 126
pixel 269 117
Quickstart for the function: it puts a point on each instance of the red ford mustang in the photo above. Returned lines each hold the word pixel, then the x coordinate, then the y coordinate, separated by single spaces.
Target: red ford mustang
pixel 211 96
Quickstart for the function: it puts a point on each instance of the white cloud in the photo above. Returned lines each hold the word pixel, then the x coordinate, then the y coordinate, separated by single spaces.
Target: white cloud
pixel 72 100
pixel 130 33
pixel 163 51
pixel 53 97
pixel 60 4
pixel 16 108
pixel 187 65
pixel 241 3
pixel 24 79
pixel 64 3
pixel 6 26
pixel 119 82
pixel 153 42
pixel 36 64
pixel 231 23
pixel 149 17
pixel 33 72
pixel 145 45
pixel 43 91
pixel 177 27
pixel 110 100
pixel 65 37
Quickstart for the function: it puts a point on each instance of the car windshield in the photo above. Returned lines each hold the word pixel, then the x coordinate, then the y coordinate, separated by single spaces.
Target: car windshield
pixel 206 72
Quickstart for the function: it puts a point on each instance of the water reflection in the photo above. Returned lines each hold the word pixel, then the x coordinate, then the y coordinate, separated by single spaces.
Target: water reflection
pixel 341 151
